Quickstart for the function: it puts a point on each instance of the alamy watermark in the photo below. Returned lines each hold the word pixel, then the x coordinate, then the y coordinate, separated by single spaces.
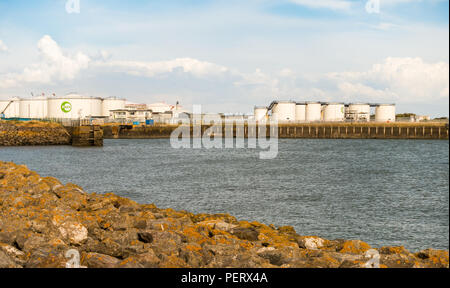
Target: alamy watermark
pixel 74 259
pixel 374 259
pixel 73 6
pixel 215 131
pixel 373 6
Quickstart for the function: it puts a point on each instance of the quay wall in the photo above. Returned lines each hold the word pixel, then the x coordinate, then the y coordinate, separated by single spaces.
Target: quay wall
pixel 317 130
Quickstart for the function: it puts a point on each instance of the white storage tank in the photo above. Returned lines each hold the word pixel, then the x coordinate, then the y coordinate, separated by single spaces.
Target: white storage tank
pixel 284 111
pixel 358 112
pixel 313 111
pixel 36 108
pixel 260 113
pixel 74 106
pixel 10 108
pixel 334 112
pixel 112 103
pixel 300 112
pixel 385 113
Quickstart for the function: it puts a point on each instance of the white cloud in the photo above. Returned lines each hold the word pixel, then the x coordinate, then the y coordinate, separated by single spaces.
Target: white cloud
pixel 3 47
pixel 150 69
pixel 326 4
pixel 400 80
pixel 409 80
pixel 54 66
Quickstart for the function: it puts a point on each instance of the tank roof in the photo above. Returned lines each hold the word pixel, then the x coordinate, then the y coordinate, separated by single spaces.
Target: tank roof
pixel 74 96
pixel 284 101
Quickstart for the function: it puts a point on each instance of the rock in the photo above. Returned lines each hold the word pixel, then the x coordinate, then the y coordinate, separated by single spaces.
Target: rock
pixel 47 257
pixel 7 237
pixel 275 257
pixel 218 224
pixel 434 258
pixel 6 261
pixel 191 254
pixel 96 260
pixel 145 260
pixel 35 241
pixel 394 250
pixel 398 260
pixel 12 251
pixel 320 259
pixel 145 236
pixel 355 247
pixel 249 234
pixel 310 242
pixel 75 233
pixel 107 246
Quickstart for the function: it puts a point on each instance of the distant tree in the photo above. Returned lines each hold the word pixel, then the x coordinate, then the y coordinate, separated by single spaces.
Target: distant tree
pixel 405 115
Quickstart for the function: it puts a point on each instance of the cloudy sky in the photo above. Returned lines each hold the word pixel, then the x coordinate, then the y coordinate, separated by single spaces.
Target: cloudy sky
pixel 230 55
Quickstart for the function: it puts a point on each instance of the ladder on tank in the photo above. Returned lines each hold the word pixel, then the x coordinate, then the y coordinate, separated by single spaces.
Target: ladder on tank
pixel 2 113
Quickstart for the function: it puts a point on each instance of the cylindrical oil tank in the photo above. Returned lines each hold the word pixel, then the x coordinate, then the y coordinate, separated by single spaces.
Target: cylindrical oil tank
pixel 112 103
pixel 334 112
pixel 36 108
pixel 10 108
pixel 260 113
pixel 313 111
pixel 74 107
pixel 284 111
pixel 385 113
pixel 358 112
pixel 300 112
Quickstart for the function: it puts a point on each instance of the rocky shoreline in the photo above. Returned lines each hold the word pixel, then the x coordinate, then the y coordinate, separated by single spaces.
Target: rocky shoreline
pixel 42 219
pixel 32 133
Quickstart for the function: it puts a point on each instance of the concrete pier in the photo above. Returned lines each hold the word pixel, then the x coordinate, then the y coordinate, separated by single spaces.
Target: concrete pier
pixel 313 130
pixel 91 135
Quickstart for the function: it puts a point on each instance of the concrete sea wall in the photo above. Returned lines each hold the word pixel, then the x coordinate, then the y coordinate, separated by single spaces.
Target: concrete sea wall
pixel 319 130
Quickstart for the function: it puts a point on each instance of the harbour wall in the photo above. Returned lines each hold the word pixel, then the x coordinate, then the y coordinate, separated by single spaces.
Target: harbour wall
pixel 91 135
pixel 315 130
pixel 33 133
pixel 38 133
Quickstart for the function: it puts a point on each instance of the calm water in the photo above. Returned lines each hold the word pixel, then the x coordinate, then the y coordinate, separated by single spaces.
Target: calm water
pixel 385 192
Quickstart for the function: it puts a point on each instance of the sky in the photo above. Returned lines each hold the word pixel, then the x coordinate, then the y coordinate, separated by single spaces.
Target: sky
pixel 230 55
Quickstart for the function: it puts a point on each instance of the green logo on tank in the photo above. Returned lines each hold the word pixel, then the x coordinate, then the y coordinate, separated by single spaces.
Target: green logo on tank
pixel 66 107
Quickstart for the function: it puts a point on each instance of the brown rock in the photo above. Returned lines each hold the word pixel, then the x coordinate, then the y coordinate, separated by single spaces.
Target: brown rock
pixel 355 247
pixel 6 261
pixel 249 234
pixel 96 260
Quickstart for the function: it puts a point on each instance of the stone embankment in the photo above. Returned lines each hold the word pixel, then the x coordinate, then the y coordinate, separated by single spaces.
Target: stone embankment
pixel 33 133
pixel 42 219
pixel 335 130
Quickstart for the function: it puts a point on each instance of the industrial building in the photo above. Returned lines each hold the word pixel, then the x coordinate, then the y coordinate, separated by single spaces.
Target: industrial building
pixel 74 106
pixel 71 106
pixel 308 112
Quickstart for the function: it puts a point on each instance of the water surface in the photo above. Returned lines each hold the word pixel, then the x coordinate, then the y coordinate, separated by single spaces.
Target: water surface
pixel 385 192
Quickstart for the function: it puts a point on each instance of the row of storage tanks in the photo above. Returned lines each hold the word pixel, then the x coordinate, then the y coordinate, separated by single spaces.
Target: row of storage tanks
pixel 71 106
pixel 289 111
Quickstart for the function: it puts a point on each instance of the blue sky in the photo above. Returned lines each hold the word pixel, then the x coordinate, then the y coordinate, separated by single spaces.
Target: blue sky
pixel 230 55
